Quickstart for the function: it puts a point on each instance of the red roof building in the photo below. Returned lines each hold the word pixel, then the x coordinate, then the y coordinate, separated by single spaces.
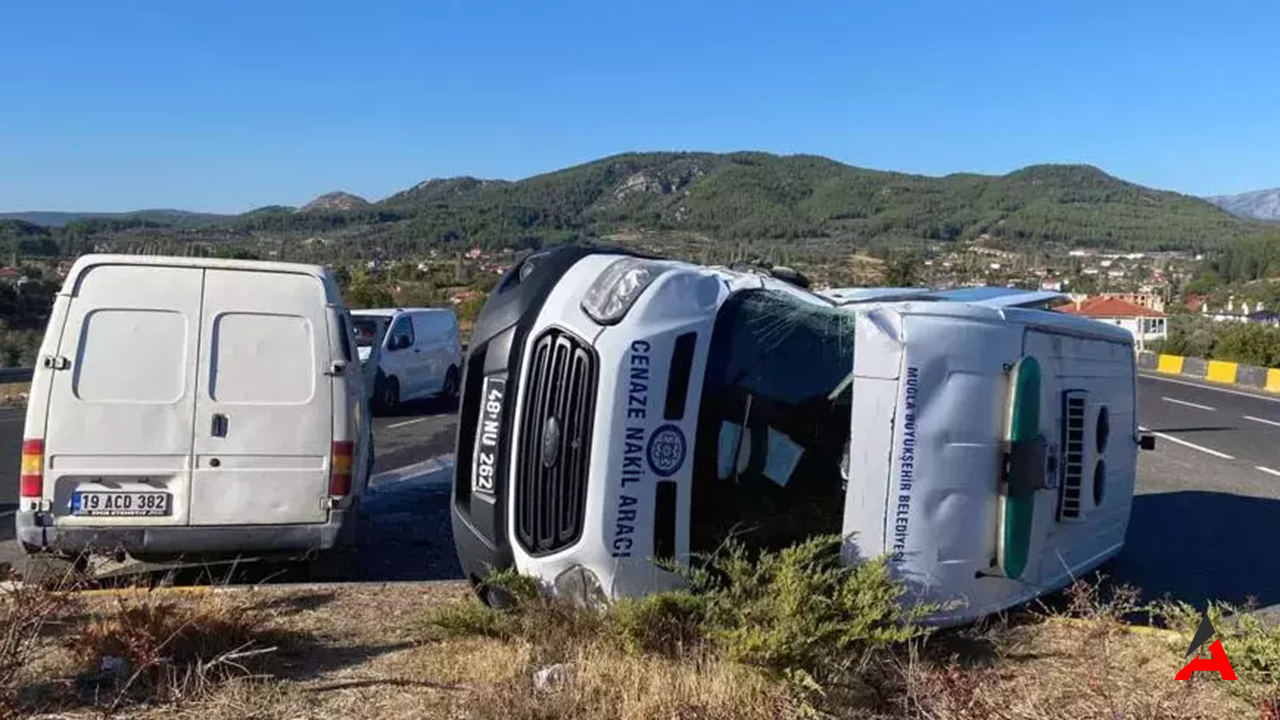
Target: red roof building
pixel 1143 323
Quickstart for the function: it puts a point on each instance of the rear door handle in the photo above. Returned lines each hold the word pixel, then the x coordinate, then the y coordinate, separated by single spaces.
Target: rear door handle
pixel 219 425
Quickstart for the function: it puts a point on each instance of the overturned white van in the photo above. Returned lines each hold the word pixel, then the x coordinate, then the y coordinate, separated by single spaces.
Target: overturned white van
pixel 619 409
pixel 194 408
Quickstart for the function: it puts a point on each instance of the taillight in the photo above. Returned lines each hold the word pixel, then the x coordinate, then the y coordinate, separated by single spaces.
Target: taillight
pixel 32 484
pixel 340 476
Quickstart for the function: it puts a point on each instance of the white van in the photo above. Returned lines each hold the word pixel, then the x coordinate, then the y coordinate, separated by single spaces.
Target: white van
pixel 619 409
pixel 193 407
pixel 409 353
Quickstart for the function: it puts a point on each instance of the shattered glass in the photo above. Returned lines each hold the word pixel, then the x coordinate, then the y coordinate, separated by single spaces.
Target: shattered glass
pixel 775 410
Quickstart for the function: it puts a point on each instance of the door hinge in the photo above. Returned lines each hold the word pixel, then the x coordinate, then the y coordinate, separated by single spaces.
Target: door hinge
pixel 336 368
pixel 55 362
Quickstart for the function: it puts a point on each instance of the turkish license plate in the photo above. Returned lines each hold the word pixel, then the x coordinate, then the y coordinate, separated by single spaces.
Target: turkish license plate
pixel 120 504
pixel 488 436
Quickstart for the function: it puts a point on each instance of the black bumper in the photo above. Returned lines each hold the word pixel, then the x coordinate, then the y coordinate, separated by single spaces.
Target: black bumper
pixel 187 540
pixel 480 531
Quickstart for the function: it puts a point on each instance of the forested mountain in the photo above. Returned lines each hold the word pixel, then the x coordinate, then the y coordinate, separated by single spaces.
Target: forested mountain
pixel 726 197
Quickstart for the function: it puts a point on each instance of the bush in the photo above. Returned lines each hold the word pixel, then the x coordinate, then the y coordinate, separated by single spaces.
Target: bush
pixel 798 613
pixel 802 608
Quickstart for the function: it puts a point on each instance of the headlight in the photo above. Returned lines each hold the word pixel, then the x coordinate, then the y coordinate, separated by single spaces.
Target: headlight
pixel 579 586
pixel 616 290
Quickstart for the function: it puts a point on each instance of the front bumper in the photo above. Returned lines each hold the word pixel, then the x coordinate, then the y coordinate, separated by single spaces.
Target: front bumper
pixel 496 349
pixel 187 540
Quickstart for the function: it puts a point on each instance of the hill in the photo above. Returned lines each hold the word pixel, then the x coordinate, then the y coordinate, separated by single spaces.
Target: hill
pixel 737 197
pixel 788 198
pixel 180 218
pixel 1259 205
pixel 342 201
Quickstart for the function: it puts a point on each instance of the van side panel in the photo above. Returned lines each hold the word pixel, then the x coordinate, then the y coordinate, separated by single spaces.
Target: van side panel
pixel 263 419
pixel 120 415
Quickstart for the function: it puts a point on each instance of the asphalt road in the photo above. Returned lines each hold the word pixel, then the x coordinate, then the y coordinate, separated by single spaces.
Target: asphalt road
pixel 1207 509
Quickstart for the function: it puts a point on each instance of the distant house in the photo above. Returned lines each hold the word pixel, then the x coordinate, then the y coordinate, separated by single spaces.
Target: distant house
pixel 9 274
pixel 1243 312
pixel 1144 324
pixel 1052 285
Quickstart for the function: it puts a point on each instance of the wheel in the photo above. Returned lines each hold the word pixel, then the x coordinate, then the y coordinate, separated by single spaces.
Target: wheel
pixel 452 384
pixel 386 393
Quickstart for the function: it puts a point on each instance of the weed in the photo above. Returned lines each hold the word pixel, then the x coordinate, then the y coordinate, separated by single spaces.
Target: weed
pixel 26 613
pixel 161 650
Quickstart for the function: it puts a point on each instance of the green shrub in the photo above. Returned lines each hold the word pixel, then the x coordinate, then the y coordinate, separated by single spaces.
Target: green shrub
pixel 800 612
pixel 667 623
pixel 802 608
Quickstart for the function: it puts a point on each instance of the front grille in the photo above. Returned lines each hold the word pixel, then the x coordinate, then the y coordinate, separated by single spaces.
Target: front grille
pixel 1073 451
pixel 551 476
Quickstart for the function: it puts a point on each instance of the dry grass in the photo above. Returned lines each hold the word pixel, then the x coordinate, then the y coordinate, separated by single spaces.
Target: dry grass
pixel 366 653
pixel 1061 668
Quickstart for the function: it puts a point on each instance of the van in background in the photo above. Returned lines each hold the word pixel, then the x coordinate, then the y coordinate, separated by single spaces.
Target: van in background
pixel 194 407
pixel 409 354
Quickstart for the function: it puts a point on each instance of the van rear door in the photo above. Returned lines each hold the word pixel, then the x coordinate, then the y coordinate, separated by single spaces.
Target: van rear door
pixel 119 422
pixel 264 401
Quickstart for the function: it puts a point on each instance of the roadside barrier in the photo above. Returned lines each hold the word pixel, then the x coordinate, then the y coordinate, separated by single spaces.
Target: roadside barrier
pixel 1219 372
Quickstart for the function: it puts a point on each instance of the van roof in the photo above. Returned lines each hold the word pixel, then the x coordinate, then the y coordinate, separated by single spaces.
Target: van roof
pixel 86 262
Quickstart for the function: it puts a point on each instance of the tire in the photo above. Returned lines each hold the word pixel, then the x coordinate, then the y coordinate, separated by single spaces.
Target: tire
pixel 452 384
pixel 386 394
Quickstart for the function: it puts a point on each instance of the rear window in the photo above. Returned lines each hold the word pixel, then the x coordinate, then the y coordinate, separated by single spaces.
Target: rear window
pixel 134 356
pixel 261 358
pixel 366 331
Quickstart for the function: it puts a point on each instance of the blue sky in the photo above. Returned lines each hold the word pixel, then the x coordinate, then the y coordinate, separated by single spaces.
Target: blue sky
pixel 228 105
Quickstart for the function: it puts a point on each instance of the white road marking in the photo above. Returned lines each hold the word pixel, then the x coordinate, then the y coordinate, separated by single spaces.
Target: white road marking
pixel 407 423
pixel 1268 470
pixel 1213 388
pixel 1262 420
pixel 1193 446
pixel 1183 402
pixel 416 472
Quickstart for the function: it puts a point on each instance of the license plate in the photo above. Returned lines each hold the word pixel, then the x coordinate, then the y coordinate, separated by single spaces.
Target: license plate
pixel 133 504
pixel 488 436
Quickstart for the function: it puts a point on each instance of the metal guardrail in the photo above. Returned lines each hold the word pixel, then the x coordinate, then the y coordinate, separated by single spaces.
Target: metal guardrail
pixel 16 375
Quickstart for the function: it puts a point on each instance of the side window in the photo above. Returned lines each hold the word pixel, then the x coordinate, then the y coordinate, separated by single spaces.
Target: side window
pixel 401 333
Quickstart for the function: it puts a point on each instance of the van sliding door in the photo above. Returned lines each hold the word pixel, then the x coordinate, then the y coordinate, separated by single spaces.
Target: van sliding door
pixel 263 416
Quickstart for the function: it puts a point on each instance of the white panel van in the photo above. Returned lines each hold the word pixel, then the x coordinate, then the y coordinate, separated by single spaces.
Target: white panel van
pixel 189 407
pixel 618 409
pixel 409 353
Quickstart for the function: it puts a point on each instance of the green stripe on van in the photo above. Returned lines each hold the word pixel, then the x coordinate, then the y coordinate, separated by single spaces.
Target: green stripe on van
pixel 1024 424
